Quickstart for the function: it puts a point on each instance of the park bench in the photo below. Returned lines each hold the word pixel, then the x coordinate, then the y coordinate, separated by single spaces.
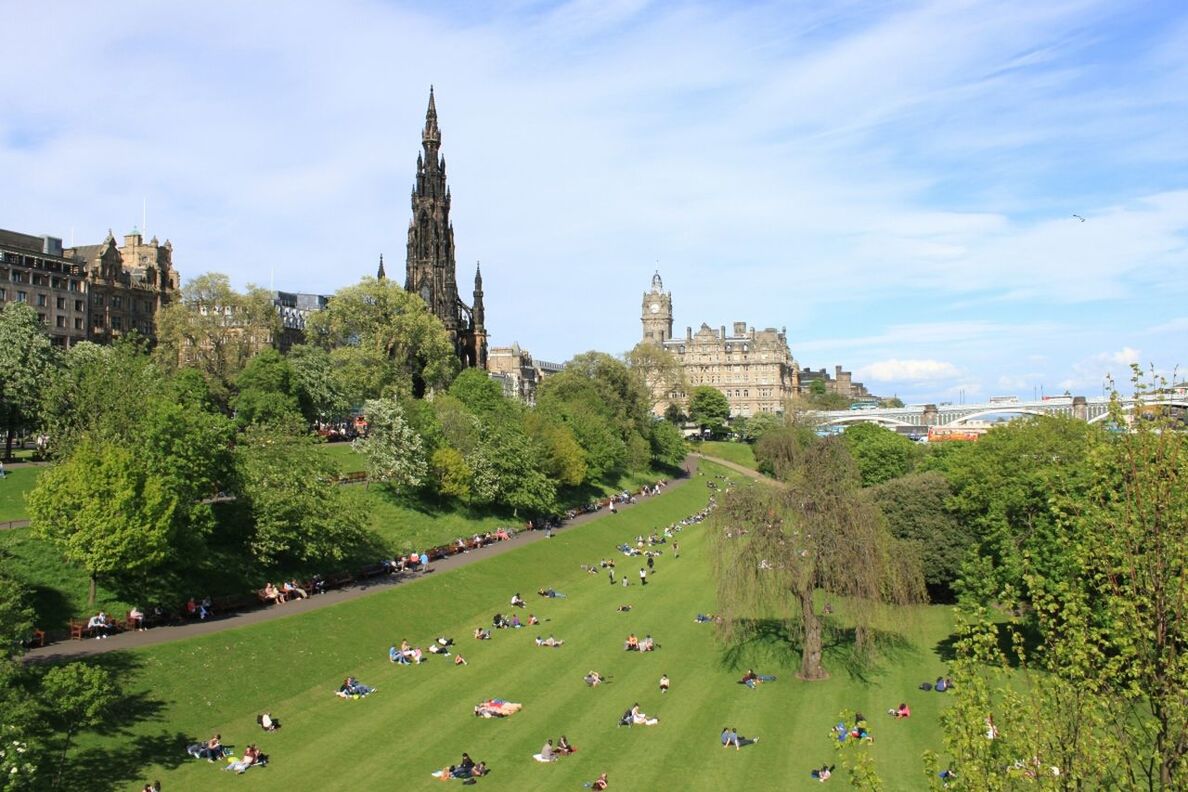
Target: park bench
pixel 78 630
pixel 37 638
pixel 230 603
pixel 340 579
pixel 358 477
pixel 373 570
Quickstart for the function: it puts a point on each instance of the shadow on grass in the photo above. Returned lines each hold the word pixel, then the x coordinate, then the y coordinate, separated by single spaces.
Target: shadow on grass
pixel 777 643
pixel 946 648
pixel 117 767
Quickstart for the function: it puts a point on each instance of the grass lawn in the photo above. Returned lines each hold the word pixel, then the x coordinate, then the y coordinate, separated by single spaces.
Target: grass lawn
pixel 738 453
pixel 13 487
pixel 347 458
pixel 420 719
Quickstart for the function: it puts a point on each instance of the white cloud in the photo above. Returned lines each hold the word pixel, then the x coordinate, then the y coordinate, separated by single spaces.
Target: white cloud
pixel 907 371
pixel 1123 357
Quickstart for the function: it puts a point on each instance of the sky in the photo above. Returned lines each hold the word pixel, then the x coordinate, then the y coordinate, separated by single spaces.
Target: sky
pixel 952 199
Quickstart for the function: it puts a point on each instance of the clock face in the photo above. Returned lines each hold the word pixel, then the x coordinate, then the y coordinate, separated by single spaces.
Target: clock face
pixel 654 308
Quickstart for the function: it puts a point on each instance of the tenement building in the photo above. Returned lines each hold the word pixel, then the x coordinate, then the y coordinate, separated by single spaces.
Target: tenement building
pixel 518 372
pixel 430 268
pixel 89 292
pixel 754 369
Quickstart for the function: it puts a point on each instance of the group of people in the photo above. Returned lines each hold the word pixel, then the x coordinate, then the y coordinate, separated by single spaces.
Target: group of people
pixel 353 689
pixel 551 753
pixel 634 644
pixel 753 680
pixel 858 731
pixel 101 625
pixel 278 595
pixel 467 768
pixel 636 717
pixel 550 642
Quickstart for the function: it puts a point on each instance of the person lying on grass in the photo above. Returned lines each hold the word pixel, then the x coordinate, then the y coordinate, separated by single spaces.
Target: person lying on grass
pixel 550 593
pixel 902 711
pixel 496 708
pixel 753 680
pixel 598 784
pixel 593 679
pixel 640 719
pixel 823 774
pixel 623 609
pixel 251 756
pixel 550 642
pixel 353 688
pixel 267 722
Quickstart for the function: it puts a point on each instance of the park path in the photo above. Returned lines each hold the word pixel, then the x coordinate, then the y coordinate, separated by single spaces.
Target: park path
pixel 737 468
pixel 70 650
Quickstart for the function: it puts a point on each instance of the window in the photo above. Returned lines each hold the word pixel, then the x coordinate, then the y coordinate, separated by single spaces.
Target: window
pixel 78 323
pixel 18 276
pixel 97 299
pixel 116 324
pixel 41 301
pixel 61 303
pixel 61 321
pixel 73 285
pixel 3 294
pixel 41 318
pixel 78 305
pixel 22 297
pixel 115 302
pixel 38 280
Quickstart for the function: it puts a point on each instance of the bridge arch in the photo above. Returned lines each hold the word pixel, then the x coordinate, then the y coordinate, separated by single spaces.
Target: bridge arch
pixel 1003 410
pixel 1128 407
pixel 880 420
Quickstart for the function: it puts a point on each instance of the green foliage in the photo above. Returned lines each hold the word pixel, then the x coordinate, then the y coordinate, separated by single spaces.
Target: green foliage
pixel 709 409
pixel 265 390
pixel 675 415
pixel 107 510
pixel 321 394
pixel 780 450
pixel 298 510
pixel 383 340
pixel 506 472
pixel 658 371
pixel 881 454
pixel 668 444
pixel 916 509
pixel 394 452
pixel 753 429
pixel 451 474
pixel 77 697
pixel 26 359
pixel 16 617
pixel 216 330
pixel 482 395
pixel 564 458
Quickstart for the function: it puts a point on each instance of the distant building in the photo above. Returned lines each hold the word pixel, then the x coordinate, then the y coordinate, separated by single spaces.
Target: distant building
pixel 430 270
pixel 294 308
pixel 90 292
pixel 518 372
pixel 753 369
pixel 842 383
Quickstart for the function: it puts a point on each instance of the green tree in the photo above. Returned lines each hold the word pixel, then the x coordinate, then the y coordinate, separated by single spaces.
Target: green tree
pixel 394 452
pixel 482 395
pixel 78 697
pixel 507 473
pixel 392 338
pixel 16 617
pixel 709 409
pixel 881 454
pixel 107 510
pixel 291 492
pixel 668 445
pixel 451 474
pixel 780 450
pixel 659 372
pixel 776 546
pixel 564 459
pixel 264 390
pixel 26 360
pixel 320 393
pixel 216 330
pixel 758 425
pixel 917 511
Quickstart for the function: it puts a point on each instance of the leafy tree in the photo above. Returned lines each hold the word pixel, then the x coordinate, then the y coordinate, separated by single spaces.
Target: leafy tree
pixel 482 395
pixel 458 426
pixel 291 492
pixel 881 454
pixel 451 474
pixel 265 390
pixel 506 472
pixel 107 510
pixel 394 452
pixel 77 697
pixel 320 393
pixel 709 409
pixel 26 360
pixel 216 330
pixel 16 617
pixel 916 509
pixel 675 415
pixel 779 544
pixel 390 334
pixel 780 450
pixel 659 372
pixel 668 444
pixel 759 424
pixel 564 460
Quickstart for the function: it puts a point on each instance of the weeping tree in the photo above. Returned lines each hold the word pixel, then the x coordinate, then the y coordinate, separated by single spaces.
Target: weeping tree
pixel 776 546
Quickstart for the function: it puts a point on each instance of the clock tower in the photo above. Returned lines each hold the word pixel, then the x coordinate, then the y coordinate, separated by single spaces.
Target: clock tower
pixel 657 313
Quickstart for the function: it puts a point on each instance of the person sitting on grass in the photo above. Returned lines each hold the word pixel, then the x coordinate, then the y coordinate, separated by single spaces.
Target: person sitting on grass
pixel 902 711
pixel 499 622
pixel 940 685
pixel 598 784
pixel 353 688
pixel 632 643
pixel 639 718
pixel 823 774
pixel 213 749
pixel 593 679
pixel 752 680
pixel 267 722
pixel 517 601
pixel 550 593
pixel 515 621
pixel 547 753
pixel 396 656
pixel 563 746
pixel 481 635
pixel 664 683
pixel 623 609
pixel 532 620
pixel 459 660
pixel 251 756
pixel 647 644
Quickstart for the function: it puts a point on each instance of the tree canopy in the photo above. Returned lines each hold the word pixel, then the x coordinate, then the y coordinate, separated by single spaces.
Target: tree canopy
pixel 709 409
pixel 26 360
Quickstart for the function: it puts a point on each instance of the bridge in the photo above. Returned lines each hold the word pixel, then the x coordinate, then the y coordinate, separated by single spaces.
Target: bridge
pixel 1092 409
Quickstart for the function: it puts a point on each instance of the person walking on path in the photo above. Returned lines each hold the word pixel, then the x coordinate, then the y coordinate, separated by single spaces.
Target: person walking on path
pixel 643 576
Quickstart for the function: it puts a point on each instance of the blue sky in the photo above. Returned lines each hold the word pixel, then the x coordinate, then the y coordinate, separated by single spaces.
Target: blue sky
pixel 893 182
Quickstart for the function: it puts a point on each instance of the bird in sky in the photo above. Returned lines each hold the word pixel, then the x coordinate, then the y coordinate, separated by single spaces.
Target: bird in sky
pixel 1079 218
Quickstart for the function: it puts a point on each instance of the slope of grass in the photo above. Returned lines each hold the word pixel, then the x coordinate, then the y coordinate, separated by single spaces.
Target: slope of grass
pixel 738 453
pixel 420 719
pixel 13 487
pixel 345 455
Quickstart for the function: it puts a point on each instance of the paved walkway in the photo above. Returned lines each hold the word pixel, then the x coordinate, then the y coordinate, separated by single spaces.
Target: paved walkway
pixel 68 650
pixel 737 468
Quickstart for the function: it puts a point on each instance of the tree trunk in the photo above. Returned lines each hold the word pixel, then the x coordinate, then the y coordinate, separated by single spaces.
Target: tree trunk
pixel 810 661
pixel 11 431
pixel 91 591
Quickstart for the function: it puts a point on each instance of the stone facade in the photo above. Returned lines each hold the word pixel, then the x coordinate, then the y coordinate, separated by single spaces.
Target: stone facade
pixel 841 383
pixel 294 309
pixel 754 369
pixel 518 372
pixel 90 292
pixel 430 270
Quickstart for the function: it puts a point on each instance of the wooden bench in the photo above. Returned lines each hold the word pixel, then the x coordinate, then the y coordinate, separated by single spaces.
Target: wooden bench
pixel 339 580
pixel 358 477
pixel 78 630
